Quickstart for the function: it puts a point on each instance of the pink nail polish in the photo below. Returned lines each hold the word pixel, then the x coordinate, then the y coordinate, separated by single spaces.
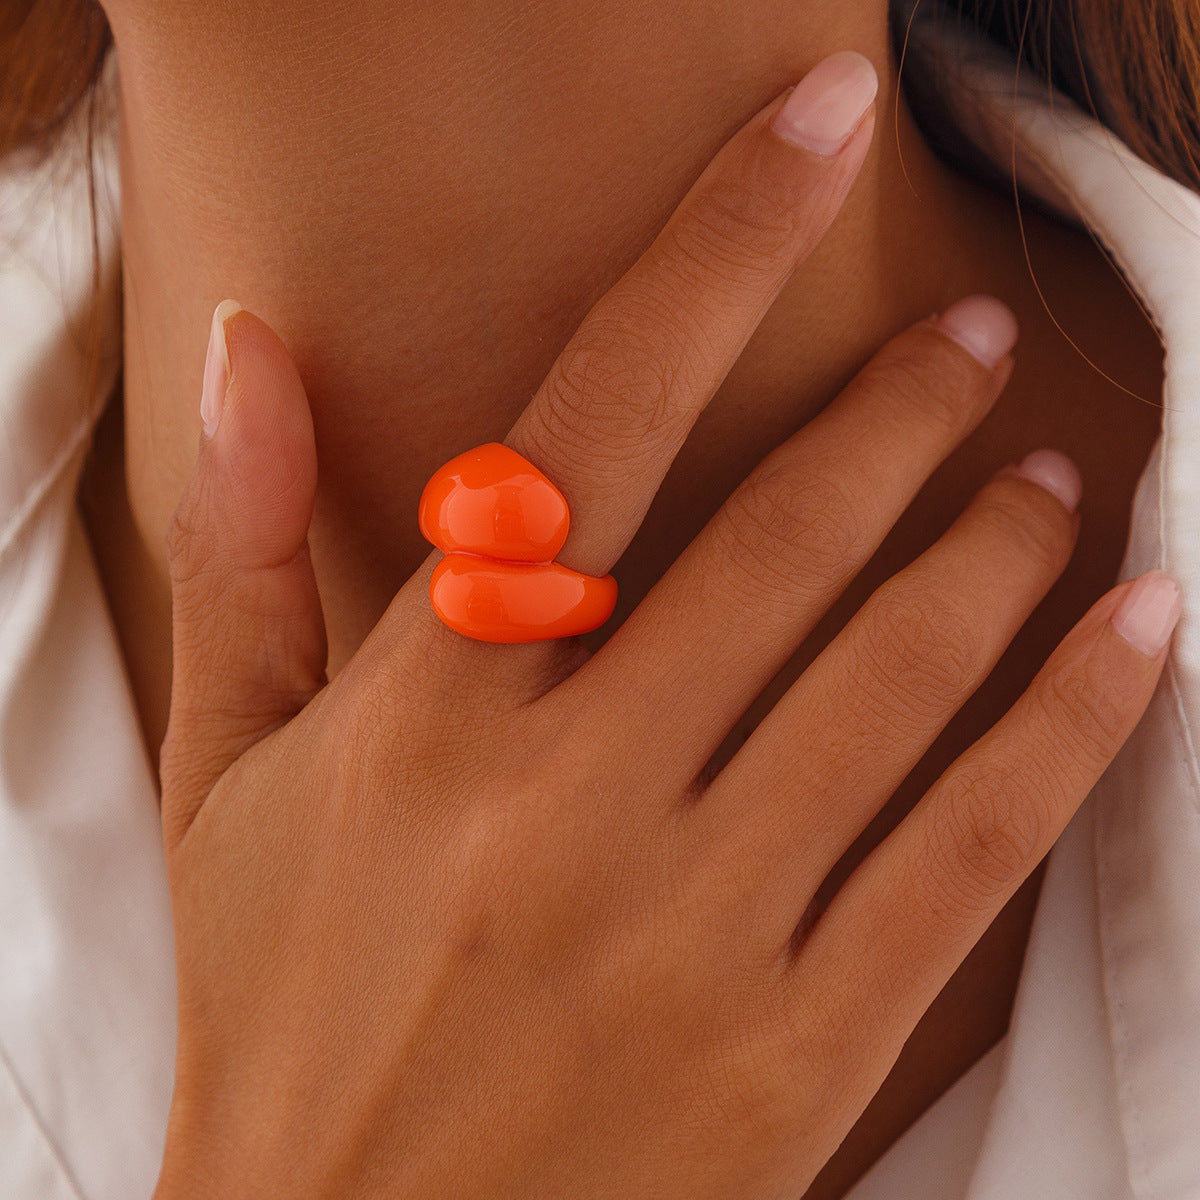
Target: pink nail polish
pixel 1148 614
pixel 216 367
pixel 828 104
pixel 1056 473
pixel 983 326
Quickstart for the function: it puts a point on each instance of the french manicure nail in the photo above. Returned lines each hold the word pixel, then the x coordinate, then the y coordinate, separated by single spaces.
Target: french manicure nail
pixel 828 104
pixel 983 326
pixel 1148 614
pixel 216 367
pixel 1056 473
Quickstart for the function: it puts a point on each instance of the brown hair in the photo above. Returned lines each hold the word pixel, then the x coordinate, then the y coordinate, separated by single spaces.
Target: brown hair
pixel 51 55
pixel 1135 64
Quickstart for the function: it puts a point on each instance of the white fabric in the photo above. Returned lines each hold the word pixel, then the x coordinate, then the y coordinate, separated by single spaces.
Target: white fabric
pixel 1093 1095
pixel 87 1019
pixel 1095 1092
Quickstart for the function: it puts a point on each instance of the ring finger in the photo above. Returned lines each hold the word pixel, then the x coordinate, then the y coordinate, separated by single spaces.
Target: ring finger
pixel 845 735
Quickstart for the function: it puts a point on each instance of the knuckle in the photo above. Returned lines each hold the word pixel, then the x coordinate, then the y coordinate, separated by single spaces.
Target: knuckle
pixel 992 834
pixel 785 529
pixel 384 748
pixel 736 229
pixel 919 387
pixel 925 653
pixel 1087 716
pixel 811 1035
pixel 617 388
pixel 1039 531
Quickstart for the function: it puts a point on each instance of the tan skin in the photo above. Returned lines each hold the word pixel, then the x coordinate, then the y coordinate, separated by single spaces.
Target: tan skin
pixel 497 178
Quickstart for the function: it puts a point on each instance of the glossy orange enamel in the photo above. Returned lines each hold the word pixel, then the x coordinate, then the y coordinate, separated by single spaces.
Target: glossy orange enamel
pixel 500 522
pixel 518 602
pixel 492 501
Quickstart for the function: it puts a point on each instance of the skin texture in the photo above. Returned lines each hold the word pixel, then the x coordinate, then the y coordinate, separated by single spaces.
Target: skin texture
pixel 430 225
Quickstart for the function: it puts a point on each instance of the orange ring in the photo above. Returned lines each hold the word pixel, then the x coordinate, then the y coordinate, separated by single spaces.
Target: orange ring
pixel 500 522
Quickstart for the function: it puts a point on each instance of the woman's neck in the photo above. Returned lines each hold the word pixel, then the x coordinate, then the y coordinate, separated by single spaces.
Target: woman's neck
pixel 425 205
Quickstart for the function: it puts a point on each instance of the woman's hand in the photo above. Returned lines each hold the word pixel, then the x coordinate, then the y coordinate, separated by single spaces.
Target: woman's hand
pixel 467 922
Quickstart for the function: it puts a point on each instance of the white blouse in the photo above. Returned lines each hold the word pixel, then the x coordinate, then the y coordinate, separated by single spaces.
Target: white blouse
pixel 1094 1094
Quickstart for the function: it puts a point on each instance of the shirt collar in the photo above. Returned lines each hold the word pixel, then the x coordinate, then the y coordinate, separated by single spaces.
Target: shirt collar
pixel 1144 816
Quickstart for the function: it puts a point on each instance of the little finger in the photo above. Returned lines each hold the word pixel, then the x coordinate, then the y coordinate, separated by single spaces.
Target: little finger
pixel 913 909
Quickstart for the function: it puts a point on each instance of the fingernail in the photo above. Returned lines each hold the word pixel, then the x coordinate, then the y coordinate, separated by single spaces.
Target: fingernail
pixel 983 326
pixel 828 104
pixel 1056 473
pixel 216 367
pixel 1147 616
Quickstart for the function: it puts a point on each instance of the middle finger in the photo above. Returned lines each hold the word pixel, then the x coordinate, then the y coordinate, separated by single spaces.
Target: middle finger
pixel 624 393
pixel 730 612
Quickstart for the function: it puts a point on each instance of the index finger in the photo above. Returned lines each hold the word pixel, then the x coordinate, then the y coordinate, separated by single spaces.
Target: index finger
pixel 623 394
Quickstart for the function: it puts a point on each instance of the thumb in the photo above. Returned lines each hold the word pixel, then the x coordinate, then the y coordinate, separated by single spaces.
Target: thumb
pixel 248 635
